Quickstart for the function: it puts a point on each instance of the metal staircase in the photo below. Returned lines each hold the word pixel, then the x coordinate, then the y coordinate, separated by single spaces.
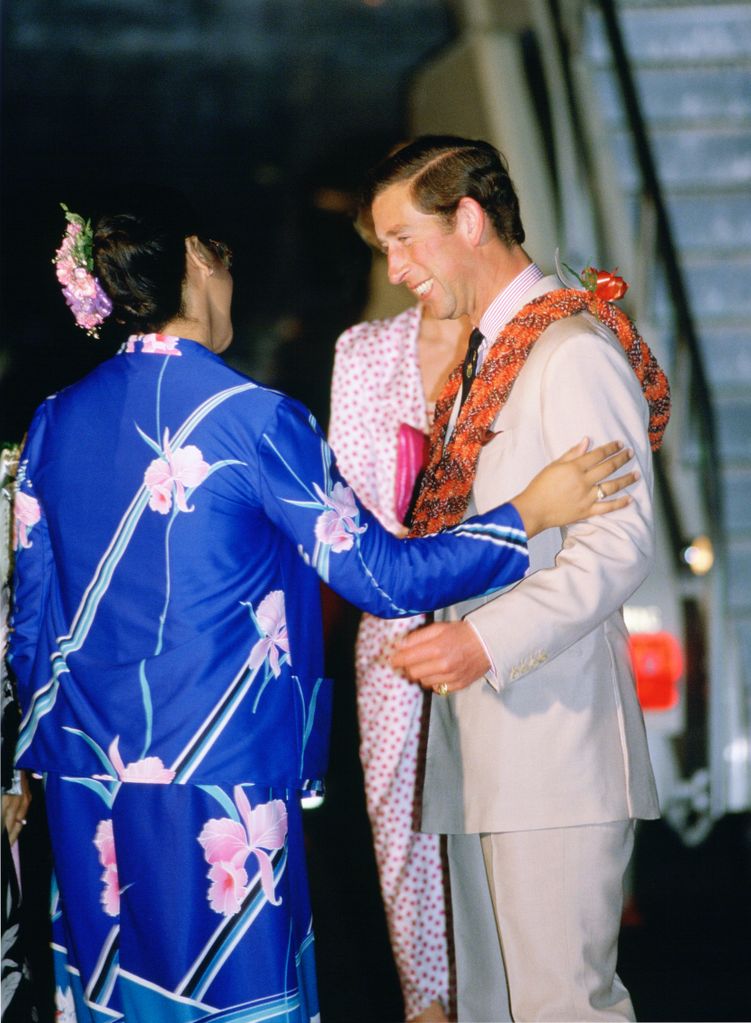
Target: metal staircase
pixel 690 65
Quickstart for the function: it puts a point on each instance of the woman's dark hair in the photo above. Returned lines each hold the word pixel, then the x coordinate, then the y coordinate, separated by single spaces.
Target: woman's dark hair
pixel 442 170
pixel 139 257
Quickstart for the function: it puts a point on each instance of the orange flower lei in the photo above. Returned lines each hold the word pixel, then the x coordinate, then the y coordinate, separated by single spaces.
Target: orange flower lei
pixel 446 485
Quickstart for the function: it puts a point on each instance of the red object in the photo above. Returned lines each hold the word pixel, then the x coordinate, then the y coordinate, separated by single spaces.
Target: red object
pixel 607 286
pixel 412 448
pixel 657 660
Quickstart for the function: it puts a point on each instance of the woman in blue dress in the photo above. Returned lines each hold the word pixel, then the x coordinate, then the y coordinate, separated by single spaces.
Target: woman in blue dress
pixel 173 519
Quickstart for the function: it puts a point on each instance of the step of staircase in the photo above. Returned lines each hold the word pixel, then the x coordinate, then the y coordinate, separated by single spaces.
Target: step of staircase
pixel 718 286
pixel 677 94
pixel 715 221
pixel 727 354
pixel 740 573
pixel 666 33
pixel 690 158
pixel 737 493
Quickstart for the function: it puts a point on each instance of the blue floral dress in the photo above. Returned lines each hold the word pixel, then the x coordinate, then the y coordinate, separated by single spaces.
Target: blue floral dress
pixel 172 520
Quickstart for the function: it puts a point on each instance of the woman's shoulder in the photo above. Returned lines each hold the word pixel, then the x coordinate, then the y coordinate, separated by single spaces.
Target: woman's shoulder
pixel 262 410
pixel 372 354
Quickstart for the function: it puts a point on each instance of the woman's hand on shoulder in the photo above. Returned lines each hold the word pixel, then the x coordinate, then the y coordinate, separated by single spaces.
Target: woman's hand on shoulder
pixel 576 486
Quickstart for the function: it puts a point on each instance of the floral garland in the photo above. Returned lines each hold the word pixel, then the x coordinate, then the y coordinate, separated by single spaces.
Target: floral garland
pixel 448 479
pixel 74 265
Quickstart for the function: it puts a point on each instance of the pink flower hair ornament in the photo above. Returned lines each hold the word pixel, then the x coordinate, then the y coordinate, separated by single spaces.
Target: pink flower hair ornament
pixel 74 266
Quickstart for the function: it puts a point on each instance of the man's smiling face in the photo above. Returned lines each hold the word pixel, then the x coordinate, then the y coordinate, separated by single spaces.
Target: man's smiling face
pixel 425 254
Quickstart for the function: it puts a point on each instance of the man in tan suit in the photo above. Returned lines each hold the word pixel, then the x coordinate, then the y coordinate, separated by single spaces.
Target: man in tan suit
pixel 537 762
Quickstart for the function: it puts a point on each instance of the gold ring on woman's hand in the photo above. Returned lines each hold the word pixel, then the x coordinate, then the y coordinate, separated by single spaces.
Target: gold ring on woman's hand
pixel 443 689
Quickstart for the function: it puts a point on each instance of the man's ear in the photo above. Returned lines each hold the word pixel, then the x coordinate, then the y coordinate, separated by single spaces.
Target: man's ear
pixel 197 257
pixel 471 220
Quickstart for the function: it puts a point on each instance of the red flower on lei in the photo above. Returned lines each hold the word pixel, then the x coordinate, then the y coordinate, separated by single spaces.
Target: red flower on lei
pixel 604 283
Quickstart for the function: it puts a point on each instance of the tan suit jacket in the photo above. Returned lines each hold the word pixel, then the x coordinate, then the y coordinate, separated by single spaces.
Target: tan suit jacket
pixel 556 738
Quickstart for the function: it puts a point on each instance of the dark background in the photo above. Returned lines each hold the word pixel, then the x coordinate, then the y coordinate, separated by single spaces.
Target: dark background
pixel 266 113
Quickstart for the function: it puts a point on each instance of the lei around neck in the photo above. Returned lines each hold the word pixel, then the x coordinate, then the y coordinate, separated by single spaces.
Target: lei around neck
pixel 447 483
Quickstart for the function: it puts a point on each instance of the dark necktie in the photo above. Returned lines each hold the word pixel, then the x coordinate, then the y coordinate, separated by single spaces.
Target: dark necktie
pixel 469 366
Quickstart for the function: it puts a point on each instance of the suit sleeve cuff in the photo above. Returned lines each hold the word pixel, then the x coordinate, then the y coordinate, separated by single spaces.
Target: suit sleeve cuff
pixel 491 674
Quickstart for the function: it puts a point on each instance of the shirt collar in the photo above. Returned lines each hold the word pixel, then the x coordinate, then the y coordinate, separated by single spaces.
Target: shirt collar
pixel 505 304
pixel 154 344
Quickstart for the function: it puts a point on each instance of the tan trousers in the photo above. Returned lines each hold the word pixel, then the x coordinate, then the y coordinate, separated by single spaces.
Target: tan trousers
pixel 536 923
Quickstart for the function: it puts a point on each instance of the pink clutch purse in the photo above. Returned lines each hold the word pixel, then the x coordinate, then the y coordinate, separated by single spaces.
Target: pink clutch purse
pixel 412 447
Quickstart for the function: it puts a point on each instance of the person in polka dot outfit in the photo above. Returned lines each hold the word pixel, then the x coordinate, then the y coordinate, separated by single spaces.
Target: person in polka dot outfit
pixel 387 375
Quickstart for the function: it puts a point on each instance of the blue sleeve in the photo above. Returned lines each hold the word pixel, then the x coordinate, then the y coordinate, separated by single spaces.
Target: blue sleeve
pixel 306 497
pixel 32 568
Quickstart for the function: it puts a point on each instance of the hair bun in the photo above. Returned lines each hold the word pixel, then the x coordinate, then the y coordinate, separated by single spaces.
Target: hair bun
pixel 139 255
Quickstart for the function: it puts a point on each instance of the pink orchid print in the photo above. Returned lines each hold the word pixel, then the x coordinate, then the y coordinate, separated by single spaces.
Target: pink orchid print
pixel 336 527
pixel 172 473
pixel 104 840
pixel 228 843
pixel 26 514
pixel 150 770
pixel 272 624
pixel 228 887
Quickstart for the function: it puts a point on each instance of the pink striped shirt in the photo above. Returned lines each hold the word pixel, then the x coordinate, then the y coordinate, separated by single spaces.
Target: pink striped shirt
pixel 495 318
pixel 503 307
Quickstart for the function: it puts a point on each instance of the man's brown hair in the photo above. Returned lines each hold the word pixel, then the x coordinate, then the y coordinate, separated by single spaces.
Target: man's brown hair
pixel 442 170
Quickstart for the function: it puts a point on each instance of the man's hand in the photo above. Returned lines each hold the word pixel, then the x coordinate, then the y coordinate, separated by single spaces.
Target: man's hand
pixel 444 654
